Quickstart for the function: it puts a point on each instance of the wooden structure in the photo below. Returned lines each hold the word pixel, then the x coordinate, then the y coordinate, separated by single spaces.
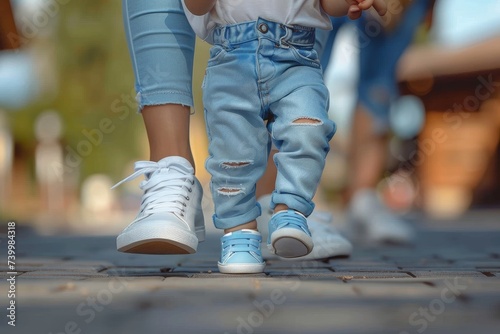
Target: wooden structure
pixel 458 148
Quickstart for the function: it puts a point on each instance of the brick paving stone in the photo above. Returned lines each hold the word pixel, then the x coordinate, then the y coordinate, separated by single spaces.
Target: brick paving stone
pixel 361 268
pixel 48 277
pixel 435 273
pixel 485 286
pixel 197 263
pixel 220 275
pixel 488 269
pixel 60 273
pixel 376 290
pixel 483 261
pixel 410 289
pixel 350 275
pixel 437 267
pixel 134 285
pixel 299 272
pixel 278 263
pixel 195 270
pixel 137 272
pixel 61 266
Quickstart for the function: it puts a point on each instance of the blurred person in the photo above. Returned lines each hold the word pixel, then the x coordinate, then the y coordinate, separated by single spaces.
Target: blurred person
pixel 377 87
pixel 170 219
pixel 263 67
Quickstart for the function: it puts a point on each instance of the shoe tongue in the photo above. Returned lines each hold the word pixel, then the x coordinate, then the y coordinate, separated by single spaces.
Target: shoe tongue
pixel 179 163
pixel 173 168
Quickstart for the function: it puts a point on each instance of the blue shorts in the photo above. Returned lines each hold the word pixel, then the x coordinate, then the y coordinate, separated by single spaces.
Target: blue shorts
pixel 379 54
pixel 161 45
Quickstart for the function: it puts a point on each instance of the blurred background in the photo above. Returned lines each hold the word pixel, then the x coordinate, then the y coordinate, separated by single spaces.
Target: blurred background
pixel 69 128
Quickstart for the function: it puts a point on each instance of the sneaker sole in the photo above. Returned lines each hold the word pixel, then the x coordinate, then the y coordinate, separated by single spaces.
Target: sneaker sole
pixel 241 268
pixel 328 249
pixel 157 241
pixel 158 246
pixel 290 243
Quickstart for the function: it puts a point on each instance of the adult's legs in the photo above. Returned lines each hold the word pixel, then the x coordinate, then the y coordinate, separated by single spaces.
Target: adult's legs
pixel 161 45
pixel 377 89
pixel 167 127
pixel 368 153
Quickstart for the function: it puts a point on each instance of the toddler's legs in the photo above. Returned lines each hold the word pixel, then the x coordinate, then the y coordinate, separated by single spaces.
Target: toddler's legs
pixel 238 153
pixel 301 131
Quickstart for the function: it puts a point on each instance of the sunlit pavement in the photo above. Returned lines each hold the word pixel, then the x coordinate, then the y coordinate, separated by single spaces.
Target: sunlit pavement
pixel 448 282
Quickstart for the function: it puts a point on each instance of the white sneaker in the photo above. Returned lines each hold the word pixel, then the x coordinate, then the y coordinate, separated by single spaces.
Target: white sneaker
pixel 170 220
pixel 328 242
pixel 370 220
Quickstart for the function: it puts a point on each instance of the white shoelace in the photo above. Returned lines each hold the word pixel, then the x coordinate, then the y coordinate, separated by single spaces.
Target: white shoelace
pixel 163 192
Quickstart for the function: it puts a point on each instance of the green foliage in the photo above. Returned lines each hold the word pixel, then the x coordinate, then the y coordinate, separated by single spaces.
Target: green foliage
pixel 95 87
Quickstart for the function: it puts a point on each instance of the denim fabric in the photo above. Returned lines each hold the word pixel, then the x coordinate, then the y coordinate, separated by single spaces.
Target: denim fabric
pixel 161 46
pixel 378 59
pixel 326 38
pixel 264 71
pixel 379 53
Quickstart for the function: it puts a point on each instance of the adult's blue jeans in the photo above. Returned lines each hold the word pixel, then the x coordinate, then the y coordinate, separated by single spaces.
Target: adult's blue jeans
pixel 161 45
pixel 264 71
pixel 379 54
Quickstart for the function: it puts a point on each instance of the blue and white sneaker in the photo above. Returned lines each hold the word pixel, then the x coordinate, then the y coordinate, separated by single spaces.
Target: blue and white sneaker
pixel 240 253
pixel 289 235
pixel 328 241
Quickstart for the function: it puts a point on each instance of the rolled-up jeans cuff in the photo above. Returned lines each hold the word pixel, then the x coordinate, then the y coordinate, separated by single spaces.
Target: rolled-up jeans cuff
pixel 225 223
pixel 161 98
pixel 293 202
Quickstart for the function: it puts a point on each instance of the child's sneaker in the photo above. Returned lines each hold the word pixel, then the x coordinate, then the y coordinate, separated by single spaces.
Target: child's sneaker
pixel 328 242
pixel 170 220
pixel 240 253
pixel 289 235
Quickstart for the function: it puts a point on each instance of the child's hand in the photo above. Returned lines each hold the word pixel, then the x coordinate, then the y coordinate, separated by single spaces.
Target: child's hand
pixel 357 6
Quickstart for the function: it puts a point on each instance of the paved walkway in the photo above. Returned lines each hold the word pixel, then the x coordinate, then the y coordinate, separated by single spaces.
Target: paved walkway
pixel 449 282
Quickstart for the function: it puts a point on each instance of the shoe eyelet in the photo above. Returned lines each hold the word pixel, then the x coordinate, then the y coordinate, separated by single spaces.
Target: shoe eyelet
pixel 190 190
pixel 187 198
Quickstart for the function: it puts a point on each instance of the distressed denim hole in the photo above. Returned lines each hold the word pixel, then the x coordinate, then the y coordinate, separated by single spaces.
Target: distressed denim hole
pixel 235 164
pixel 229 191
pixel 308 121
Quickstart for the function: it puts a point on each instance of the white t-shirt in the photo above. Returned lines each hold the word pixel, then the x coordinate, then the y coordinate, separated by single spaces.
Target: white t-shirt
pixel 306 13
